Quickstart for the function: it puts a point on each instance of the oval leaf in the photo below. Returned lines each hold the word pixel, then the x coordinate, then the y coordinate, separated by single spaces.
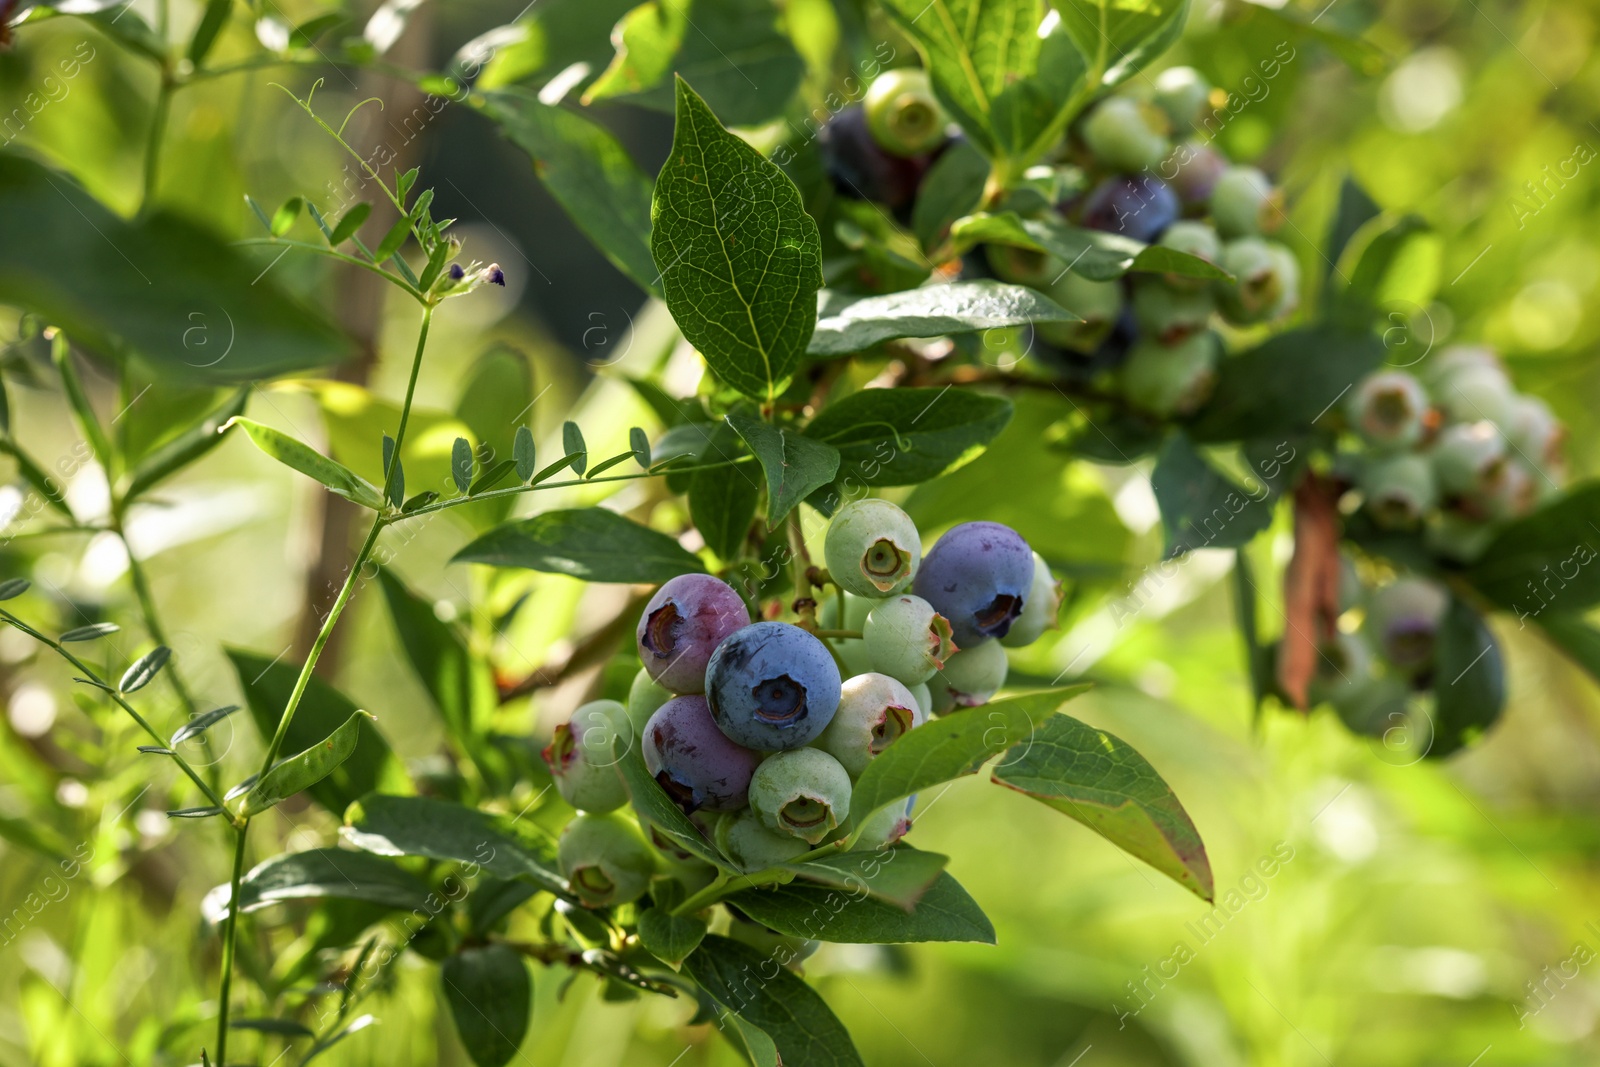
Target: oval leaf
pixel 200 724
pixel 944 912
pixel 847 323
pixel 12 588
pixel 445 830
pixel 795 465
pixel 142 672
pixel 790 1012
pixel 319 873
pixel 339 479
pixel 93 632
pixel 490 995
pixel 906 436
pixel 589 543
pixel 304 769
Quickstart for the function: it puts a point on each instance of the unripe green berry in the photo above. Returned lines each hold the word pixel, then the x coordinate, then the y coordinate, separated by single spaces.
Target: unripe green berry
pixel 1403 621
pixel 803 792
pixel 1194 239
pixel 1372 710
pixel 582 759
pixel 872 548
pixel 1168 314
pixel 1244 203
pixel 1287 268
pixel 1474 393
pixel 1182 92
pixel 874 712
pixel 1038 610
pixel 1097 303
pixel 1344 666
pixel 1126 136
pixel 903 115
pixel 1514 494
pixel 605 859
pixel 924 698
pixel 970 677
pixel 1400 490
pixel 885 826
pixel 1023 266
pixel 1258 283
pixel 1440 368
pixel 1469 457
pixel 1166 380
pixel 745 840
pixel 645 695
pixel 1537 433
pixel 1389 409
pixel 906 639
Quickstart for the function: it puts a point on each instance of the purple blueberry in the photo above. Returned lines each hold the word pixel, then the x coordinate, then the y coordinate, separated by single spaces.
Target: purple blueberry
pixel 1135 206
pixel 683 624
pixel 978 576
pixel 696 764
pixel 860 167
pixel 772 686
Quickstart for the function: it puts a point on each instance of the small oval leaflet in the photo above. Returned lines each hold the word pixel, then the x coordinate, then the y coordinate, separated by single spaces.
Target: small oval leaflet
pixel 572 441
pixel 304 769
pixel 201 723
pixel 461 464
pixel 145 669
pixel 92 632
pixel 13 588
pixel 522 451
pixel 194 813
pixel 639 441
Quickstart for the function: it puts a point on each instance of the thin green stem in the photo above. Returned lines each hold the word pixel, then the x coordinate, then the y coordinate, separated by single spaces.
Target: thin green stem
pixel 411 390
pixel 322 250
pixel 152 620
pixel 838 635
pixel 152 151
pixel 726 882
pixel 230 927
pixel 78 400
pixel 515 490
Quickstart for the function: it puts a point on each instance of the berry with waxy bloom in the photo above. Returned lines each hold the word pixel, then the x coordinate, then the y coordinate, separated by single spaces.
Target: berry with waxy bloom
pixel 1182 92
pixel 1469 457
pixel 1244 203
pixel 1039 613
pixel 683 624
pixel 1193 170
pixel 970 677
pixel 803 792
pixel 1403 621
pixel 859 166
pixel 902 113
pixel 1400 490
pixel 1194 239
pixel 772 686
pixel 886 826
pixel 582 757
pixel 1537 434
pixel 605 859
pixel 1259 281
pixel 1098 304
pixel 874 712
pixel 694 761
pixel 872 548
pixel 1139 206
pixel 752 846
pixel 977 576
pixel 1389 409
pixel 1168 314
pixel 906 639
pixel 1125 135
pixel 1171 379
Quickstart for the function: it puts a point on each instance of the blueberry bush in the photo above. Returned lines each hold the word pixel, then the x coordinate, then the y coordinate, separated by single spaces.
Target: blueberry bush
pixel 906 269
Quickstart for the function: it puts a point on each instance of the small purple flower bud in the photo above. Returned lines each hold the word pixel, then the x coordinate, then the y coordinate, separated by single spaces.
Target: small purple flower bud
pixel 495 275
pixel 457 272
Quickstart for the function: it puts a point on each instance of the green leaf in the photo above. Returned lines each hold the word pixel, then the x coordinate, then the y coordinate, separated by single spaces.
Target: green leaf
pixel 522 450
pixel 1201 507
pixel 722 505
pixel 461 685
pixel 12 588
pixel 320 873
pixel 668 937
pixel 573 445
pixel 1373 260
pixel 847 323
pixel 53 492
pixel 589 174
pixel 461 464
pixel 491 477
pixel 639 443
pixel 284 217
pixel 1577 638
pixel 1543 562
pixel 1091 253
pixel 191 307
pixel 355 1026
pixel 398 232
pixel 790 1012
pixel 145 669
pixel 490 995
pixel 656 808
pixel 281 1027
pixel 349 223
pixel 593 544
pixel 370 767
pixel 951 747
pixel 339 479
pixel 92 632
pixel 1121 38
pixel 1103 783
pixel 210 27
pixel 795 464
pixel 906 436
pixel 740 260
pixel 200 724
pixel 1469 680
pixel 952 188
pixel 444 830
pixel 188 446
pixel 944 912
pixel 899 875
pixel 304 769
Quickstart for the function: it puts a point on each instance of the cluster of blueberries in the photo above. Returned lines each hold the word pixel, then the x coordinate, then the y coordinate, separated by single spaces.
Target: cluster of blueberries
pixel 1133 165
pixel 1368 672
pixel 758 730
pixel 1452 450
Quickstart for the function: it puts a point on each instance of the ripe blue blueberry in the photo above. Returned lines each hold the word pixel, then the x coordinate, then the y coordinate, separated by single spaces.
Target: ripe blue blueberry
pixel 902 113
pixel 1244 203
pixel 746 840
pixel 696 764
pixel 1040 609
pixel 1403 621
pixel 772 686
pixel 803 792
pixel 1140 207
pixel 1175 379
pixel 969 678
pixel 977 576
pixel 872 548
pixel 874 712
pixel 683 624
pixel 605 859
pixel 1390 409
pixel 906 639
pixel 859 166
pixel 645 695
pixel 1124 135
pixel 582 758
pixel 1400 490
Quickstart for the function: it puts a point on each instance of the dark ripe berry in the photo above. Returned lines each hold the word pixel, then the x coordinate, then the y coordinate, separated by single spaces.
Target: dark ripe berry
pixel 978 576
pixel 772 686
pixel 902 113
pixel 1135 206
pixel 696 763
pixel 1403 621
pixel 683 624
pixel 859 166
pixel 1193 169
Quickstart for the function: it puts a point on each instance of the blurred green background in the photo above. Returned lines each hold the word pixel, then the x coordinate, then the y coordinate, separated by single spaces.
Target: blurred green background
pixel 1375 910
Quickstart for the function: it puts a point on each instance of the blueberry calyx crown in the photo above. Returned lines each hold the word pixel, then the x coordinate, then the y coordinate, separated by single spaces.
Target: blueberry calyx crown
pixel 661 631
pixel 895 723
pixel 780 701
pixel 996 619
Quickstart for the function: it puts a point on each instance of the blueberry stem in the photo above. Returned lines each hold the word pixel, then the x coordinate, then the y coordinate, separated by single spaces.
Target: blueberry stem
pixel 724 884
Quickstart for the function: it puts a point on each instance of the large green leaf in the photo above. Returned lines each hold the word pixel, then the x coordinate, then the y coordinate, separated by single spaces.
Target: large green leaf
pixel 1121 37
pixel 547 40
pixel 668 937
pixel 1545 562
pixel 339 479
pixel 899 875
pixel 1578 639
pixel 656 808
pixel 1093 254
pixel 773 999
pixel 320 873
pixel 589 173
pixel 906 436
pixel 740 260
pixel 589 543
pixel 795 465
pixel 304 769
pixel 186 447
pixel 848 323
pixel 1469 680
pixel 490 995
pixel 191 307
pixel 445 830
pixel 462 686
pixel 722 500
pixel 1200 506
pixel 1103 783
pixel 952 746
pixel 944 912
pixel 267 684
pixel 952 189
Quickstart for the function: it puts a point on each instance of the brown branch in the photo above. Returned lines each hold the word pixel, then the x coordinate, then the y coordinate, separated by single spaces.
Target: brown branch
pixel 1310 586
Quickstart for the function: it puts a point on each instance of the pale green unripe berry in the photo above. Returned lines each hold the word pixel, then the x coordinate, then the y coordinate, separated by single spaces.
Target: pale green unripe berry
pixel 582 760
pixel 1168 314
pixel 803 792
pixel 745 840
pixel 1400 490
pixel 1126 136
pixel 1195 239
pixel 1244 203
pixel 1182 92
pixel 1439 368
pixel 1378 707
pixel 970 677
pixel 1536 432
pixel 1474 393
pixel 906 639
pixel 874 712
pixel 1038 610
pixel 852 652
pixel 903 115
pixel 1403 621
pixel 1097 303
pixel 1257 286
pixel 872 548
pixel 1023 266
pixel 1458 537
pixel 1389 409
pixel 1288 272
pixel 645 695
pixel 1344 667
pixel 1166 380
pixel 605 859
pixel 885 826
pixel 1469 457
pixel 923 697
pixel 1511 496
